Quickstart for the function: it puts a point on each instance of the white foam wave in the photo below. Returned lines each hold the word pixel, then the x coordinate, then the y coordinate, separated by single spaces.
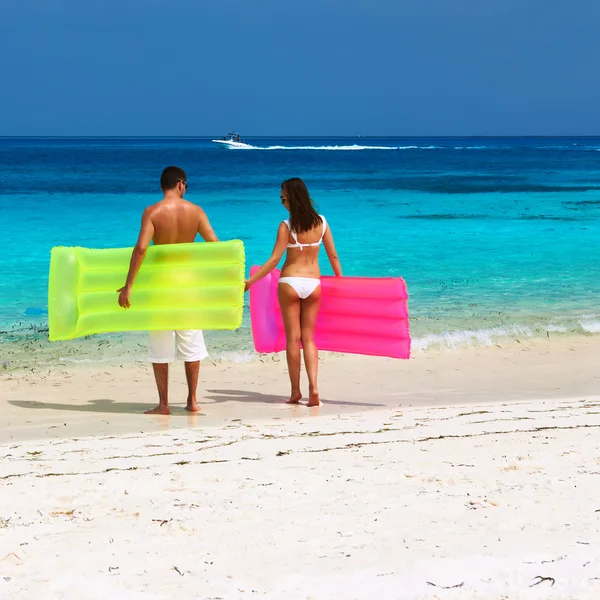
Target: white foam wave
pixel 568 147
pixel 229 356
pixel 590 326
pixel 233 356
pixel 474 147
pixel 556 329
pixel 96 359
pixel 452 340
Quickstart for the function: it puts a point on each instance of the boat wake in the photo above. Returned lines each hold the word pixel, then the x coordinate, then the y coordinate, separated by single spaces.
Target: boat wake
pixel 357 147
pixel 353 147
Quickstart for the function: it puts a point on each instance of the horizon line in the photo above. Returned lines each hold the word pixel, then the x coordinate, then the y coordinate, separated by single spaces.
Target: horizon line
pixel 210 137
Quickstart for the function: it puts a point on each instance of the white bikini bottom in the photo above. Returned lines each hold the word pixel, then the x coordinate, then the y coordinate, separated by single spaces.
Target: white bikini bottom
pixel 303 286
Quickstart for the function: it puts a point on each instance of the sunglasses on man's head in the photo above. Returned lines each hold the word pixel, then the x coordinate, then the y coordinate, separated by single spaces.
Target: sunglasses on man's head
pixel 184 183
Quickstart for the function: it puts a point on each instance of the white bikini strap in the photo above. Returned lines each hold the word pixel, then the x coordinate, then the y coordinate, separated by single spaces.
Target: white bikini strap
pixel 294 236
pixel 324 227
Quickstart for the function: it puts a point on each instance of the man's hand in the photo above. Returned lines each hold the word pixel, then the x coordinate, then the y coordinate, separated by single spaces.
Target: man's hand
pixel 124 295
pixel 137 257
pixel 247 285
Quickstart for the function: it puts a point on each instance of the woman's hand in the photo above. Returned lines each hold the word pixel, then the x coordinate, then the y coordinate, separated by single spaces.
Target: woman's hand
pixel 280 245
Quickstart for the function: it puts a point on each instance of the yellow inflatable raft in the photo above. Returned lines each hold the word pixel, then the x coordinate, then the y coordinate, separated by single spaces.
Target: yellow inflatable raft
pixel 179 286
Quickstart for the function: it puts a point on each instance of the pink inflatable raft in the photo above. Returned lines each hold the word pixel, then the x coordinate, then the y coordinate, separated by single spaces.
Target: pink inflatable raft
pixel 358 315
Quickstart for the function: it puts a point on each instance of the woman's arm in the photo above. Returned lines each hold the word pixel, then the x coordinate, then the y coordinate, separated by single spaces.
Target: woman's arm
pixel 278 250
pixel 332 253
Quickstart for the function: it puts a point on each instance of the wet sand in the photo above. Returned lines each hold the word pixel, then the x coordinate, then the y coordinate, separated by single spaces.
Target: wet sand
pixel 79 400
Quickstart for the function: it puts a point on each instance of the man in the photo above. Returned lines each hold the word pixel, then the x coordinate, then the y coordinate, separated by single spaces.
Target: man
pixel 173 220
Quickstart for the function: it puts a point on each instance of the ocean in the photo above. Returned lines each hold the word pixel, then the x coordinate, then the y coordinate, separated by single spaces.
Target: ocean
pixel 497 238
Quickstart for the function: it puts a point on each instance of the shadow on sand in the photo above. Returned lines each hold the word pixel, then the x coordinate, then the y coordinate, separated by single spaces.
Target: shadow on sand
pixel 105 405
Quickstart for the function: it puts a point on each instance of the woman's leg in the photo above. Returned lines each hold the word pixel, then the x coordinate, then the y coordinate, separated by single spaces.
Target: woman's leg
pixel 290 311
pixel 309 310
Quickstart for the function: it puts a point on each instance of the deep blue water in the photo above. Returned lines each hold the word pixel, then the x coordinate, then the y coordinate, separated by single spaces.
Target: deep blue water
pixel 495 237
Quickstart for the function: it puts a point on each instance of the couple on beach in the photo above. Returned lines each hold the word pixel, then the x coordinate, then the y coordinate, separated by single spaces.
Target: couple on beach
pixel 174 220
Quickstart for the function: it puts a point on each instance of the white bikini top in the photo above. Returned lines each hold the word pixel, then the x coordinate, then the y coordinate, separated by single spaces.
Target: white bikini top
pixel 302 246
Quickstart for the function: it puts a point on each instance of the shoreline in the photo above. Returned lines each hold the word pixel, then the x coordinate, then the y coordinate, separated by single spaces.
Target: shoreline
pixel 104 399
pixel 30 347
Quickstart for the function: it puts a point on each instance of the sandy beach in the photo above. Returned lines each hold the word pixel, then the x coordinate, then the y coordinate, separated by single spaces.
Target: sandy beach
pixel 419 176
pixel 465 474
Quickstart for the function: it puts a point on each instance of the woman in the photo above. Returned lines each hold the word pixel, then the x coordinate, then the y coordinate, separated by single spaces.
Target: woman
pixel 299 289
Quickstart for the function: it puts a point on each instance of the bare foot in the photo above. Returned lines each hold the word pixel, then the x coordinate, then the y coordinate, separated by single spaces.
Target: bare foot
pixel 159 410
pixel 295 397
pixel 313 399
pixel 192 407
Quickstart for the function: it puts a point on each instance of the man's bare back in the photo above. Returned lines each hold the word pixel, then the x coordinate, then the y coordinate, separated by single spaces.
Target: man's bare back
pixel 173 220
pixel 177 221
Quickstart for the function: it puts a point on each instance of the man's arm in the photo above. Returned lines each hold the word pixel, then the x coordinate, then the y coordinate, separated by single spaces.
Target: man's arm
pixel 137 257
pixel 205 229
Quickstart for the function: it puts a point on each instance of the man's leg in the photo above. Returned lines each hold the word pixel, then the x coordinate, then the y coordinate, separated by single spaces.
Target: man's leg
pixel 161 351
pixel 192 349
pixel 161 374
pixel 192 370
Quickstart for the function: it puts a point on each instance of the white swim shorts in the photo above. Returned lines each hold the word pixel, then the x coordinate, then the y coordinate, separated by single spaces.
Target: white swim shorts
pixel 189 343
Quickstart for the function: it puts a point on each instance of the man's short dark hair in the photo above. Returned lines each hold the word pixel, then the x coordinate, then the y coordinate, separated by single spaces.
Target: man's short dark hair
pixel 170 177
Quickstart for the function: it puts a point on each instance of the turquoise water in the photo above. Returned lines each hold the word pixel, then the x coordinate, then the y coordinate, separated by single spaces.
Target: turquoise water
pixel 495 237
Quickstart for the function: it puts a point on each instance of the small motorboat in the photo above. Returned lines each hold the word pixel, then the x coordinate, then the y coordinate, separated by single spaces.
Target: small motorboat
pixel 232 141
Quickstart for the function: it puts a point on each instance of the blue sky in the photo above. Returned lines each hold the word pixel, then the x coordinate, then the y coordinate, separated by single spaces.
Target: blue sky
pixel 309 67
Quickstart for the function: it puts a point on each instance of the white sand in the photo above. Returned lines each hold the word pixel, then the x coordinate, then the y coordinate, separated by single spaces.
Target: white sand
pixel 345 501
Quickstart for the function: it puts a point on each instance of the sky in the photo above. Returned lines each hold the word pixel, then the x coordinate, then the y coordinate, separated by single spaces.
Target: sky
pixel 299 67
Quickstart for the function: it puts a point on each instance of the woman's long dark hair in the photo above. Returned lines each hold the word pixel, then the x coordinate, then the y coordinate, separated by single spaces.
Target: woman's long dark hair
pixel 303 214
